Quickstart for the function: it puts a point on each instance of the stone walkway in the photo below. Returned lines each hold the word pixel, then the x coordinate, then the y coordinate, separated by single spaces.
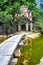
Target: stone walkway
pixel 8 47
pixel 28 34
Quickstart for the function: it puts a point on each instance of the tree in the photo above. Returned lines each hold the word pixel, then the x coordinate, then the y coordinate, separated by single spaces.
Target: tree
pixel 8 9
pixel 6 21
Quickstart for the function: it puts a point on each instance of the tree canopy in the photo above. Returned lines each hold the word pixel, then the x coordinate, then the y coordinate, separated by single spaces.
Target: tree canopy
pixel 8 9
pixel 13 6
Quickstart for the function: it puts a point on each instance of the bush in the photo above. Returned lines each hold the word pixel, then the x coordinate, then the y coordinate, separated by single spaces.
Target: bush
pixel 35 31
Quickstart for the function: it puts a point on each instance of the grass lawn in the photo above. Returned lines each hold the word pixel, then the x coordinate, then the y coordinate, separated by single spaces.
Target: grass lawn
pixel 32 52
pixel 2 39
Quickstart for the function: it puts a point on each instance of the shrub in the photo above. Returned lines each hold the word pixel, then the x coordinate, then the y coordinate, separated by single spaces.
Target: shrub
pixel 35 31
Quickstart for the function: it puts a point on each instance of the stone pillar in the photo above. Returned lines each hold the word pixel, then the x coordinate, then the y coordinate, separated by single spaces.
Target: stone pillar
pixel 19 27
pixel 27 26
pixel 31 26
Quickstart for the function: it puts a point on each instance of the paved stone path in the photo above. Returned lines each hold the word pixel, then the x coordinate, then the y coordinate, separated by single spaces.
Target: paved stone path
pixel 8 47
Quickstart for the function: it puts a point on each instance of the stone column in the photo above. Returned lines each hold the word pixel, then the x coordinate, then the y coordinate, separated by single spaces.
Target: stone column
pixel 31 26
pixel 27 26
pixel 19 27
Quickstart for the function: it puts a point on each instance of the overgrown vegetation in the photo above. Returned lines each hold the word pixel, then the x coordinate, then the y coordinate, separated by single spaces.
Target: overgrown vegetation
pixel 34 31
pixel 32 51
pixel 2 39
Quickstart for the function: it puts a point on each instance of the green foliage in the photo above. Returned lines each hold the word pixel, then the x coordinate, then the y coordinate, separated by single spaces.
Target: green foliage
pixel 15 4
pixel 6 21
pixel 22 23
pixel 8 9
pixel 36 51
pixel 34 31
pixel 40 24
pixel 2 39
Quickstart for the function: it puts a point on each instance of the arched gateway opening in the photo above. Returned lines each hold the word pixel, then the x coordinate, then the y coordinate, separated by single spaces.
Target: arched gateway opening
pixel 23 27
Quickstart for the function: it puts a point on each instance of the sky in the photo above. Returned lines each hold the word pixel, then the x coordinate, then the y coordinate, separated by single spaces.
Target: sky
pixel 38 2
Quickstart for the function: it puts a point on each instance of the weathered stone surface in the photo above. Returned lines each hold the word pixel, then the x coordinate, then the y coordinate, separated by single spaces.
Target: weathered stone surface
pixel 25 62
pixel 14 61
pixel 4 60
pixel 8 47
pixel 17 53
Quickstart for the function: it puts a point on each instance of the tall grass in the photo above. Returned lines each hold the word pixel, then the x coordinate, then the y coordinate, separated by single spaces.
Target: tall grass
pixel 32 52
pixel 2 39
